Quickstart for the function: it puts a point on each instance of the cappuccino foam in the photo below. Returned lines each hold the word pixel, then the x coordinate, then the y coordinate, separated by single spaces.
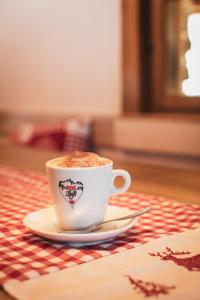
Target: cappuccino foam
pixel 78 159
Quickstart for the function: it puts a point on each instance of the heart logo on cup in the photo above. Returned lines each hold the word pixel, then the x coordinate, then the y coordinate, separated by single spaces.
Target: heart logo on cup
pixel 71 191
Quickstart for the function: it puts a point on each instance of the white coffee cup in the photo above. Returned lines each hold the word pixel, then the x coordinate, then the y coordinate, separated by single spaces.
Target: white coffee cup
pixel 80 195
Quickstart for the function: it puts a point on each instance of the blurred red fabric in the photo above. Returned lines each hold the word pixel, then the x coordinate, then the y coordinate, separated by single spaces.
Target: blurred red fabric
pixel 70 135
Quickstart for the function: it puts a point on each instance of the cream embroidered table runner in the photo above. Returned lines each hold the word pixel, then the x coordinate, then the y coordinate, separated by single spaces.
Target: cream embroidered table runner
pixel 166 268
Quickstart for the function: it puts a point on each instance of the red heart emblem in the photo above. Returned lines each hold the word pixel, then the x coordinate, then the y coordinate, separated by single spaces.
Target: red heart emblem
pixel 71 191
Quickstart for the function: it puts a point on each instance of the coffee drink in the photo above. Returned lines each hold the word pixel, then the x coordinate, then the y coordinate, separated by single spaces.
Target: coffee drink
pixel 78 159
pixel 80 184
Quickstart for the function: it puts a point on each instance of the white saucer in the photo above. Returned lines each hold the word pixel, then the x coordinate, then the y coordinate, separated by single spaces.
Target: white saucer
pixel 44 223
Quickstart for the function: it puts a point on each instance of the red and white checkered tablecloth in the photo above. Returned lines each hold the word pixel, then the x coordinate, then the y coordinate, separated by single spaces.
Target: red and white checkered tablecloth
pixel 24 255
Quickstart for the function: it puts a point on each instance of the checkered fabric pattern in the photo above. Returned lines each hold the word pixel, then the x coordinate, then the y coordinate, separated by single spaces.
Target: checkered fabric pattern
pixel 24 255
pixel 70 135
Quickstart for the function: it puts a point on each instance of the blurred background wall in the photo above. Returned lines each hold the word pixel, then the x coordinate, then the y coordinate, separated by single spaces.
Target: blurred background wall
pixel 106 59
pixel 60 57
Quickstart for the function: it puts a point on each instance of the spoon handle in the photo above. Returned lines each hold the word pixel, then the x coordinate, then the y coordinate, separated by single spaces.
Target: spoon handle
pixel 136 214
pixel 96 226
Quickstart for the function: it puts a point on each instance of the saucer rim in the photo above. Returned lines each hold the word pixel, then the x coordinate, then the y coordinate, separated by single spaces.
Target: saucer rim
pixel 79 237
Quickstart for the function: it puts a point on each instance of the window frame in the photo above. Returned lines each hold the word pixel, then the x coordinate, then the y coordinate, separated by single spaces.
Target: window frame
pixel 160 99
pixel 143 57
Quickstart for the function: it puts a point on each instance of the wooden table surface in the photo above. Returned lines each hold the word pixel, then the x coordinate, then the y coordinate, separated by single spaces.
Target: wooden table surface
pixel 181 185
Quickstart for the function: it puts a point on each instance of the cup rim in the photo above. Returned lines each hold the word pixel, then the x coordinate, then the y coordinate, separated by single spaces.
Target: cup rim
pixel 76 168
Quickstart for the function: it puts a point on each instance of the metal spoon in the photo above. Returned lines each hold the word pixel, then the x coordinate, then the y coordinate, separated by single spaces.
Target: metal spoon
pixel 98 225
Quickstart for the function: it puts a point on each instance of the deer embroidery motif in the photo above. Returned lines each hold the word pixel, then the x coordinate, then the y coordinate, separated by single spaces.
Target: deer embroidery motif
pixel 147 288
pixel 190 263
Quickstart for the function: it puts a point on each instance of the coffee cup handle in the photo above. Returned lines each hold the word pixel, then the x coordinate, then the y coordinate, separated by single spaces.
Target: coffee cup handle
pixel 127 181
